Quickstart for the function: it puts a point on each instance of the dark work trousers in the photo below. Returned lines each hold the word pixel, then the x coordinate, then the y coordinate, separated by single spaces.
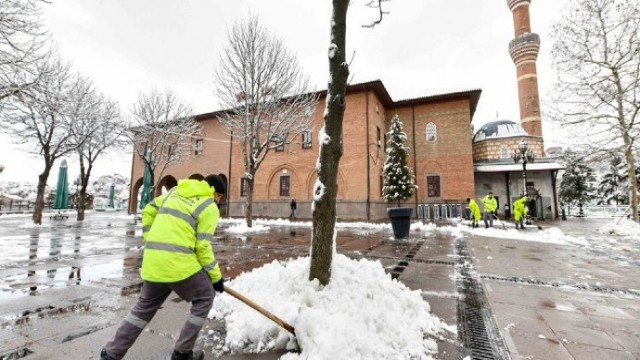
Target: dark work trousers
pixel 196 289
pixel 488 216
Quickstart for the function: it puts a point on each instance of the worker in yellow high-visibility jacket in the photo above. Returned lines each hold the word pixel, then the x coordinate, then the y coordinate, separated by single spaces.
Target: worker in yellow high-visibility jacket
pixel 490 207
pixel 520 211
pixel 178 227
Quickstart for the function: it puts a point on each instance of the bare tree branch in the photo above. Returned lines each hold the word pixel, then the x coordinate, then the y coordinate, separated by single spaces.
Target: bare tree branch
pixel 596 54
pixel 270 101
pixel 163 130
pixel 376 4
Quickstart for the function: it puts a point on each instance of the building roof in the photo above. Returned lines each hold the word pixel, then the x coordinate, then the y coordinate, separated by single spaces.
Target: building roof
pixel 499 129
pixel 381 91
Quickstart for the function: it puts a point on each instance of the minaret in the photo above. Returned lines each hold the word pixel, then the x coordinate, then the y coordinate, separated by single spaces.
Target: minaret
pixel 524 52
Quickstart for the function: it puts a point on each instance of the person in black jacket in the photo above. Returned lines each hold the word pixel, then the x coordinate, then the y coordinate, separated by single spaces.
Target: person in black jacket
pixel 292 216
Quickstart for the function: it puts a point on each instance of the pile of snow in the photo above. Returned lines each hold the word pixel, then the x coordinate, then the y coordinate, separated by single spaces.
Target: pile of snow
pixel 239 226
pixel 550 235
pixel 242 228
pixel 361 314
pixel 621 227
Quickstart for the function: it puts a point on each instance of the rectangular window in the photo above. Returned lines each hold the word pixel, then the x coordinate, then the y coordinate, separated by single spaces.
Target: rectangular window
pixel 382 185
pixel 199 147
pixel 171 151
pixel 284 186
pixel 433 186
pixel 378 136
pixel 244 186
pixel 306 139
pixel 279 141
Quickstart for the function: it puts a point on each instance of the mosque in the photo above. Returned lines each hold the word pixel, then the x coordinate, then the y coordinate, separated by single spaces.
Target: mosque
pixel 450 162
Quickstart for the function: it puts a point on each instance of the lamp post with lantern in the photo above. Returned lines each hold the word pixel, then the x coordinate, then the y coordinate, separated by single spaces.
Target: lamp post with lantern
pixel 525 155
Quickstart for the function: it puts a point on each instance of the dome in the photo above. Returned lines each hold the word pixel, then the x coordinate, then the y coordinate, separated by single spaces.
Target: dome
pixel 499 129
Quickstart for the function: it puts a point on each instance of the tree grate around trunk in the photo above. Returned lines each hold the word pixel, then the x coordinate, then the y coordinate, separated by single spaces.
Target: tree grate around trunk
pixel 478 334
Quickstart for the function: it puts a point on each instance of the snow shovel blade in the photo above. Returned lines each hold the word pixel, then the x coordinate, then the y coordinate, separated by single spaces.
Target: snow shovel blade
pixel 283 324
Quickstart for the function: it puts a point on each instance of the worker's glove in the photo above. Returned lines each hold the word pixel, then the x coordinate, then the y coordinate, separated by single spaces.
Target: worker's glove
pixel 219 286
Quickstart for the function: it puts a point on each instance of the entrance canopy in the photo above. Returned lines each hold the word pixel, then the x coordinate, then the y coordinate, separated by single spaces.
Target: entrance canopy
pixel 508 167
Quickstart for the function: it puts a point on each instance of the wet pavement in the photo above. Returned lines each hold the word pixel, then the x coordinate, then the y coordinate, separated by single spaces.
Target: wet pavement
pixel 64 288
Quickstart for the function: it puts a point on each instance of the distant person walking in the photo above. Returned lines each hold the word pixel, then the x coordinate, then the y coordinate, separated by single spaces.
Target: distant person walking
pixel 294 206
pixel 475 212
pixel 520 211
pixel 490 206
pixel 177 229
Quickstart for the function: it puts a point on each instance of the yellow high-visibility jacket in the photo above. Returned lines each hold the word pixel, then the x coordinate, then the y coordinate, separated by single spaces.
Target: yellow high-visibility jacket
pixel 475 210
pixel 519 209
pixel 178 228
pixel 489 204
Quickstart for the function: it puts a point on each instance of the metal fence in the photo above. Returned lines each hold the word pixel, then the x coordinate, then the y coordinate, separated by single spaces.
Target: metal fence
pixel 20 206
pixel 439 212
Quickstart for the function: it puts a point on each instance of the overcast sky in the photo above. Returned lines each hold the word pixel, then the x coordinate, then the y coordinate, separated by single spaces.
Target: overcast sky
pixel 423 47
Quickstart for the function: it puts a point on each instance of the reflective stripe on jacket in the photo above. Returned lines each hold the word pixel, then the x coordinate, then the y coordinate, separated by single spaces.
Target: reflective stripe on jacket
pixel 177 229
pixel 489 204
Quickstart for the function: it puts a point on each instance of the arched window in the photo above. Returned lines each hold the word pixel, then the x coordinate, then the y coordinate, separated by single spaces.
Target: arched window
pixel 432 134
pixel 504 152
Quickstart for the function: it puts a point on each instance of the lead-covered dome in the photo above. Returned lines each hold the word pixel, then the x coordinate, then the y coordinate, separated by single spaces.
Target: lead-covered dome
pixel 499 129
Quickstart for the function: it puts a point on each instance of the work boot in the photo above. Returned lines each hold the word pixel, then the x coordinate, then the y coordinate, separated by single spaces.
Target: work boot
pixel 191 355
pixel 104 355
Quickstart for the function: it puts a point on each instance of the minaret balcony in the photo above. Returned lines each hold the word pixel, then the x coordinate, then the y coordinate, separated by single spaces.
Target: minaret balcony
pixel 524 47
pixel 517 3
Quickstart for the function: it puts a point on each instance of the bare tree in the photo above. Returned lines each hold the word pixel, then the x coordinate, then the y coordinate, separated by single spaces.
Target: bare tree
pixel 162 131
pixel 97 128
pixel 269 99
pixel 596 53
pixel 326 187
pixel 21 41
pixel 41 119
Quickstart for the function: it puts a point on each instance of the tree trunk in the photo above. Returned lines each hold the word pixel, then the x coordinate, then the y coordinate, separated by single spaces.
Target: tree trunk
pixel 83 192
pixel 39 205
pixel 324 210
pixel 633 182
pixel 249 202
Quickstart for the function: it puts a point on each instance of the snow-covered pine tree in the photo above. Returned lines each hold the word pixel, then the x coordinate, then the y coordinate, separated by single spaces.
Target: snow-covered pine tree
pixel 613 187
pixel 577 185
pixel 398 178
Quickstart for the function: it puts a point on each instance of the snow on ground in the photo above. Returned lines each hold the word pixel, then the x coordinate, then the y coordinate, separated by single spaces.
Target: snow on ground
pixel 361 314
pixel 239 226
pixel 551 235
pixel 621 227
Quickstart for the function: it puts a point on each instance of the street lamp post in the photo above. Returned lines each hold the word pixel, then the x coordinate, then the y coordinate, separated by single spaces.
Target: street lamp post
pixel 525 155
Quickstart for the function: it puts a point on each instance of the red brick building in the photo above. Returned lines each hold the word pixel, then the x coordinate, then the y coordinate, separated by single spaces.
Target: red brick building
pixel 439 135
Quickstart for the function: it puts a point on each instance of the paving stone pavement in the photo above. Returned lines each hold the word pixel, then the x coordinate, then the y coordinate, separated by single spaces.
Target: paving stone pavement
pixel 64 288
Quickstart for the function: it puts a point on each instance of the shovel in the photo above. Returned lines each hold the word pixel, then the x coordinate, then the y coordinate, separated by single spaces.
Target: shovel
pixel 283 324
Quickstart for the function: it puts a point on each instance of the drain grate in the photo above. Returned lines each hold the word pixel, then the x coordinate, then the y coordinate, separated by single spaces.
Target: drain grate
pixel 478 333
pixel 558 284
pixel 404 262
pixel 17 354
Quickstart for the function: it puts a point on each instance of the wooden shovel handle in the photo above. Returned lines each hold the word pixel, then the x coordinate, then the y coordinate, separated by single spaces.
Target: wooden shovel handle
pixel 260 309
